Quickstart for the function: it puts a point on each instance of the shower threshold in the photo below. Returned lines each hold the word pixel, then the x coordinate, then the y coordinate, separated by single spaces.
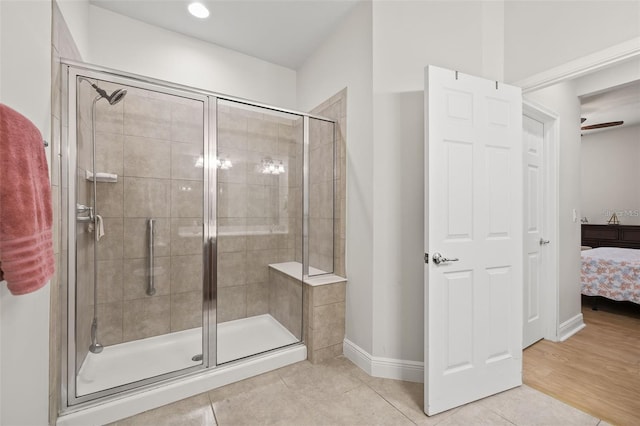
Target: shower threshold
pixel 132 361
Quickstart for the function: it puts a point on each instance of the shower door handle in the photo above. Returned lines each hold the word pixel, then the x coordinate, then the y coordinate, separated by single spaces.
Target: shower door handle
pixel 151 289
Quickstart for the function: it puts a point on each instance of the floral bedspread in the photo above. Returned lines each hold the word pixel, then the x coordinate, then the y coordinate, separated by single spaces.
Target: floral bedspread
pixel 611 272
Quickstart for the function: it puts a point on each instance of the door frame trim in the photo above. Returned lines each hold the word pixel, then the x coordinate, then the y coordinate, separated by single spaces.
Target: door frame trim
pixel 587 64
pixel 550 287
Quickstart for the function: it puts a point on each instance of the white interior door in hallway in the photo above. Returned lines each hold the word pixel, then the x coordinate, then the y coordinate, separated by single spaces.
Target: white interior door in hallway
pixel 540 256
pixel 474 239
pixel 535 240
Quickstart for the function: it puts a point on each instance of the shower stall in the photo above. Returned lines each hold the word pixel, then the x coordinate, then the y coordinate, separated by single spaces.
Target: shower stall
pixel 176 201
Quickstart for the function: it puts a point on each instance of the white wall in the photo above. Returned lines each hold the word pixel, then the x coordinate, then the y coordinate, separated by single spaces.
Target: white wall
pixel 540 35
pixel 129 45
pixel 76 16
pixel 562 99
pixel 610 175
pixel 407 36
pixel 344 60
pixel 609 171
pixel 385 169
pixel 25 85
pixel 476 38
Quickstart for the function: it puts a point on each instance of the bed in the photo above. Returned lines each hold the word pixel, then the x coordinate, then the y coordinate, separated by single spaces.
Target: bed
pixel 612 269
pixel 611 272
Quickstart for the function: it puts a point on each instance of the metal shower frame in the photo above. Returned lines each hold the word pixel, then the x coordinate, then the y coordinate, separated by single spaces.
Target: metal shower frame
pixel 70 71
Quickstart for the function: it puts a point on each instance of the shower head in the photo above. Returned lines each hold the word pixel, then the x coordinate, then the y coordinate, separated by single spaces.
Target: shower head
pixel 116 96
pixel 113 98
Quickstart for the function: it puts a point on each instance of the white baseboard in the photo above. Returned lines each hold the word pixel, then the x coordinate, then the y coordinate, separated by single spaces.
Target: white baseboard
pixel 387 368
pixel 570 327
pixel 357 355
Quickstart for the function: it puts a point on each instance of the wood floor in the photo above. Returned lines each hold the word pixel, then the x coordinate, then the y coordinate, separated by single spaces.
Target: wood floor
pixel 598 369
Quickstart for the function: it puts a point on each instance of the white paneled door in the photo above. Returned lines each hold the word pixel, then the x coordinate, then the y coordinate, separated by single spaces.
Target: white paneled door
pixel 535 241
pixel 473 225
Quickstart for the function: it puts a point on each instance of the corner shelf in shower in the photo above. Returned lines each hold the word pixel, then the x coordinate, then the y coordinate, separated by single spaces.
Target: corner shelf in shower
pixel 101 177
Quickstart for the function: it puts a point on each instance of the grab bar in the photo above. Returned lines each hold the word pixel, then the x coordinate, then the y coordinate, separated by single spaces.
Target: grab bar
pixel 151 289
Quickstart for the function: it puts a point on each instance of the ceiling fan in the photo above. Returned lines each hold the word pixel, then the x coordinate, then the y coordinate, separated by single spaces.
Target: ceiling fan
pixel 600 125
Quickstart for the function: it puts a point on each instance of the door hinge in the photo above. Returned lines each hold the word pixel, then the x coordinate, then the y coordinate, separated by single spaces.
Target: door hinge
pixel 426 258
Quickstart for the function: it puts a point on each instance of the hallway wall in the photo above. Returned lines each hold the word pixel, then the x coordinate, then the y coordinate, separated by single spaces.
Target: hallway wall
pixel 562 99
pixel 24 320
pixel 540 35
pixel 345 60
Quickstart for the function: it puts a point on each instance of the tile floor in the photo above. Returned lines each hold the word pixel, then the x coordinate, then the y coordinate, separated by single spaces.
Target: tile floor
pixel 337 392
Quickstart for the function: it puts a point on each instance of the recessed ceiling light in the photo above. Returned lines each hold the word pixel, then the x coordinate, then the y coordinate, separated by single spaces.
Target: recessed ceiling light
pixel 198 10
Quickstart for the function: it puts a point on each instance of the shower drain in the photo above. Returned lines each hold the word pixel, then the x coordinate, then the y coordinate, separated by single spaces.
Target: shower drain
pixel 196 357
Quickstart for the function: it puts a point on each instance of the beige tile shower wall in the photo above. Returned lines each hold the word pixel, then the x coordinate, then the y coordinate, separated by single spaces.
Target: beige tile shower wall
pixel 154 143
pixel 334 108
pixel 324 320
pixel 256 212
pixel 321 197
pixel 285 301
pixel 322 309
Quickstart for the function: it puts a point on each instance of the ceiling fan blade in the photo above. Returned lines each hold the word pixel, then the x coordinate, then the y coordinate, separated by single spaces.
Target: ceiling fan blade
pixel 602 125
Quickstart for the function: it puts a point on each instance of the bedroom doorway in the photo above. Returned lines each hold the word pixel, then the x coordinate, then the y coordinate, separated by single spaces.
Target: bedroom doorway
pixel 560 87
pixel 540 284
pixel 565 83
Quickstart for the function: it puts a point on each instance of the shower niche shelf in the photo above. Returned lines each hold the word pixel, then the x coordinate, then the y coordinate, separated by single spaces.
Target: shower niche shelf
pixel 101 177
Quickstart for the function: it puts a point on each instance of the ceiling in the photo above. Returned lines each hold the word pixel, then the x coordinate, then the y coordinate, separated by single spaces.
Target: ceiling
pixel 287 32
pixel 619 103
pixel 283 32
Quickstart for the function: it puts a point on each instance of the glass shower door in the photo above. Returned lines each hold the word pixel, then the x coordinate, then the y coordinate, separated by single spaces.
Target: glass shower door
pixel 187 225
pixel 259 229
pixel 322 181
pixel 138 189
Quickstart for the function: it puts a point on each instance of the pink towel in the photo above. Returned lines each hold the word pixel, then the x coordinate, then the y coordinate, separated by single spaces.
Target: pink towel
pixel 26 248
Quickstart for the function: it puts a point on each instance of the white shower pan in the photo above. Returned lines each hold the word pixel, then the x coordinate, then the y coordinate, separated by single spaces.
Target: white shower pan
pixel 137 360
